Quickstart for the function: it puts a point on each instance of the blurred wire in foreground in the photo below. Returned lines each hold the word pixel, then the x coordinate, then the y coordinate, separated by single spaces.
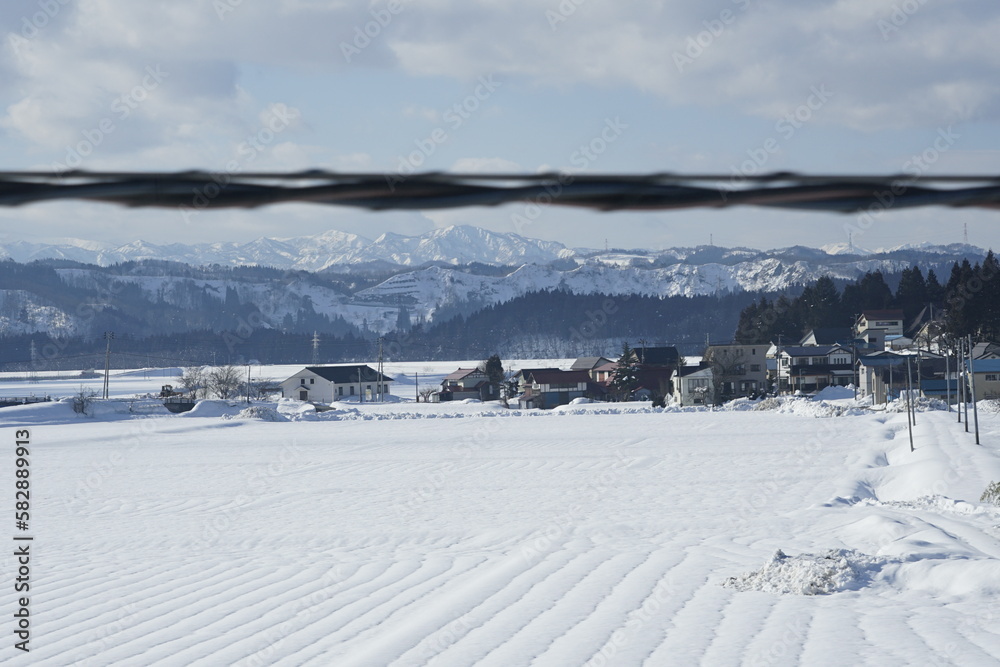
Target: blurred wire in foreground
pixel 608 192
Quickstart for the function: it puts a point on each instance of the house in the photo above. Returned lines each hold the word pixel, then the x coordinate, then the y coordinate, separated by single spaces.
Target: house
pixel 326 384
pixel 739 370
pixel 603 373
pixel 589 364
pixel 467 383
pixel 522 377
pixel 986 377
pixel 693 385
pixel 828 336
pixel 986 350
pixel 883 375
pixel 654 382
pixel 871 322
pixel 658 356
pixel 813 367
pixel 548 388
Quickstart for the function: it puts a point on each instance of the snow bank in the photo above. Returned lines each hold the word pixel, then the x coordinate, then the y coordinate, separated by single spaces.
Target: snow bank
pixel 213 408
pixel 810 574
pixel 832 393
pixel 261 412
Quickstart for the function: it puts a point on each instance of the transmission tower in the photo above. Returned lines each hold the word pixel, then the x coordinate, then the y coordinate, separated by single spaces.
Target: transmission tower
pixel 315 348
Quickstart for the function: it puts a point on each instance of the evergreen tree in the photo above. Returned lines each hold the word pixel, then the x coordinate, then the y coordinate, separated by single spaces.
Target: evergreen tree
pixel 911 295
pixel 935 291
pixel 495 373
pixel 625 378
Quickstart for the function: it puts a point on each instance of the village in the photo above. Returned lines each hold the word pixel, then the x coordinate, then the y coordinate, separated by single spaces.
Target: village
pixel 879 357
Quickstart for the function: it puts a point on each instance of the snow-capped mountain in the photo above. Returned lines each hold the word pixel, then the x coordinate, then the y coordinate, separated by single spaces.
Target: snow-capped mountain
pixel 450 245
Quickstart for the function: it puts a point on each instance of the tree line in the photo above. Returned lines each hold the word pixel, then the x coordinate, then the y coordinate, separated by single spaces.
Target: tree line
pixel 969 302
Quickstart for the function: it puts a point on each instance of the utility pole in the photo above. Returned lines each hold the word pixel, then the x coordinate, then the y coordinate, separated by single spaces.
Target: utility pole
pixel 642 354
pixel 378 380
pixel 947 381
pixel 965 383
pixel 108 336
pixel 910 418
pixel 248 384
pixel 975 409
pixel 416 386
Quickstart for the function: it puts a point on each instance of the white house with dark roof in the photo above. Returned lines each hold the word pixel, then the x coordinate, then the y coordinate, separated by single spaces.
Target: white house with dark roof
pixel 812 367
pixel 326 384
pixel 694 385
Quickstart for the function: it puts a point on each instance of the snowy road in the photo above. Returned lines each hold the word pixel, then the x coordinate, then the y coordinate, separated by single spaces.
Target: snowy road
pixel 598 539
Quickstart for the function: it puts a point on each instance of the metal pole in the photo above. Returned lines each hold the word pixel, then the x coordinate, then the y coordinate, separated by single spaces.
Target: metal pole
pixel 965 384
pixel 947 383
pixel 416 386
pixel 958 382
pixel 975 409
pixel 248 384
pixel 909 401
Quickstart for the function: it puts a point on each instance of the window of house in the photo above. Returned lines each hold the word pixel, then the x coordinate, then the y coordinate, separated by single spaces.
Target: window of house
pixel 340 391
pixel 784 361
pixel 303 380
pixel 755 368
pixel 993 377
pixel 312 380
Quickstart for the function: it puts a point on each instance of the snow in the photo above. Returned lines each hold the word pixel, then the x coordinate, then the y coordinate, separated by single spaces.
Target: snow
pixel 459 534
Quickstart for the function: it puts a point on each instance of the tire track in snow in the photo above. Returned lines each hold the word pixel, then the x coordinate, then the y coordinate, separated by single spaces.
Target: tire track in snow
pixel 780 640
pixel 521 598
pixel 167 619
pixel 594 631
pixel 362 632
pixel 559 642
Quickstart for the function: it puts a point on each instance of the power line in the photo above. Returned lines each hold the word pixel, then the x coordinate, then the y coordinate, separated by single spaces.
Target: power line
pixel 660 191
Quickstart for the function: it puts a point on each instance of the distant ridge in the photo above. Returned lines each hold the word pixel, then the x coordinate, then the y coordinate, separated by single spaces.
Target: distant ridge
pixel 455 245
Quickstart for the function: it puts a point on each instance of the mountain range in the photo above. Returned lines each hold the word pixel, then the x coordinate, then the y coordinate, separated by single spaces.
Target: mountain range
pixel 456 245
pixel 337 282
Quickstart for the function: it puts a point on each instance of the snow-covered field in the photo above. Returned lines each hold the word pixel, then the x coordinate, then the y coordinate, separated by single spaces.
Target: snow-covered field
pixel 466 535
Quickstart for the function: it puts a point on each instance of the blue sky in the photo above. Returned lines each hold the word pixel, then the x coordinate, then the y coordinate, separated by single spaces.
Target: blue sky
pixel 854 86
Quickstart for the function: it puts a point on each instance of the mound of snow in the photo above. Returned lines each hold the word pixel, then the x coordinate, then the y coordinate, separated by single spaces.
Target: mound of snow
pixel 213 408
pixel 262 412
pixel 810 574
pixel 832 393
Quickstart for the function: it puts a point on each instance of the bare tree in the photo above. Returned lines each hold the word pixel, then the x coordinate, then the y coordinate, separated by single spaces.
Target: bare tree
pixel 83 399
pixel 225 381
pixel 728 367
pixel 426 393
pixel 193 380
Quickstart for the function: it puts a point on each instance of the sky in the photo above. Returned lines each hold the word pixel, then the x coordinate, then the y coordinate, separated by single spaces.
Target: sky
pixel 734 87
